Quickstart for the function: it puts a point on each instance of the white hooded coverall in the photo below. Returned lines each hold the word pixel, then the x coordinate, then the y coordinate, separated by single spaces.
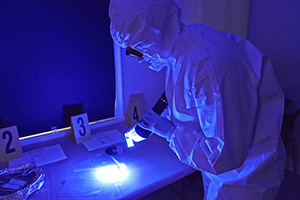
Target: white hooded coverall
pixel 223 97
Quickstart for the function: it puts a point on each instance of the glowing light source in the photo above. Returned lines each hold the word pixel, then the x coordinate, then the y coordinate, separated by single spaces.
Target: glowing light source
pixel 131 135
pixel 112 173
pixel 129 141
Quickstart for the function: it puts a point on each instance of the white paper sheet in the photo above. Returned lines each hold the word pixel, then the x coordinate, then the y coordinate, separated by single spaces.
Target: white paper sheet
pixel 40 157
pixel 104 139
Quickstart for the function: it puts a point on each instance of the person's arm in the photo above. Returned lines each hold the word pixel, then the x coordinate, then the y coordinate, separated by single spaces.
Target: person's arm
pixel 226 111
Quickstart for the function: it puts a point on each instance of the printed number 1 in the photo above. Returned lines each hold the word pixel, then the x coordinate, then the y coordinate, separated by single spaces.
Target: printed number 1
pixel 10 138
pixel 80 121
pixel 135 114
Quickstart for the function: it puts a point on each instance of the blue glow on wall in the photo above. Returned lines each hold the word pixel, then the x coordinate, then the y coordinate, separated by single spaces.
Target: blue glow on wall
pixel 54 53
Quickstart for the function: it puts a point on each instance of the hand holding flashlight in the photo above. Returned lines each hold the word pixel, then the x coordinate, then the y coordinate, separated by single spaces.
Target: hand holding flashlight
pixel 137 133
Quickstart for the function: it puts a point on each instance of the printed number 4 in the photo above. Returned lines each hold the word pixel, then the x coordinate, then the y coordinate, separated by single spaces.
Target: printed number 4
pixel 10 138
pixel 80 121
pixel 135 114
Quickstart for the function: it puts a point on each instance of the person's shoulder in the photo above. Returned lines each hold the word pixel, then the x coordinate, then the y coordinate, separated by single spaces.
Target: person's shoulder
pixel 201 32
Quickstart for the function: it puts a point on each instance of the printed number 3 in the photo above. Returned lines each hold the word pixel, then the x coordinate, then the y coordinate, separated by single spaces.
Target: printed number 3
pixel 81 123
pixel 10 137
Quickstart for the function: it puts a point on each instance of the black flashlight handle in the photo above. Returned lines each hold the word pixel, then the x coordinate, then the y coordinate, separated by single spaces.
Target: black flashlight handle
pixel 159 107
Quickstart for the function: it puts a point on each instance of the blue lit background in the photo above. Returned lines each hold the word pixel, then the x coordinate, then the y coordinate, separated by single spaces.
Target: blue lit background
pixel 54 53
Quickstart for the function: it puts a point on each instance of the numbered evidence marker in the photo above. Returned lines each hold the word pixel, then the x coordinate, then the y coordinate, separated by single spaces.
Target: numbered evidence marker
pixel 134 112
pixel 80 128
pixel 10 147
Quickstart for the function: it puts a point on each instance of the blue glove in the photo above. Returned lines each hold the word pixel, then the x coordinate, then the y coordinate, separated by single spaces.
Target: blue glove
pixel 157 124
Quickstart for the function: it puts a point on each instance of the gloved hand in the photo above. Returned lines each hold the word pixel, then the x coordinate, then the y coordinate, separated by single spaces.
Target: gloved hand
pixel 157 124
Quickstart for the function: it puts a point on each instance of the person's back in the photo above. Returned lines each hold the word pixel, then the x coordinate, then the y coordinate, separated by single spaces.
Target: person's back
pixel 224 100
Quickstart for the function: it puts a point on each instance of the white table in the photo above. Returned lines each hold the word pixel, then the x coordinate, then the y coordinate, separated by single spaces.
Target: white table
pixel 151 165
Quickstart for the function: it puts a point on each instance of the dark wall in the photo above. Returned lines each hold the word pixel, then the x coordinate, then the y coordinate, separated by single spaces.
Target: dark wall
pixel 54 53
pixel 275 29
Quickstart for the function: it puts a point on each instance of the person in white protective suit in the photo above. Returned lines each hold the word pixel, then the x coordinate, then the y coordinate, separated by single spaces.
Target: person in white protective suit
pixel 225 103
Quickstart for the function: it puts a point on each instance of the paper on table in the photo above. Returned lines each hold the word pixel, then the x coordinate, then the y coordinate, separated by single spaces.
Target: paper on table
pixel 40 157
pixel 104 139
pixel 81 184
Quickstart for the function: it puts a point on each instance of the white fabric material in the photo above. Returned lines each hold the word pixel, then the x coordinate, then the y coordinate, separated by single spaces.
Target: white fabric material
pixel 157 124
pixel 146 26
pixel 223 97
